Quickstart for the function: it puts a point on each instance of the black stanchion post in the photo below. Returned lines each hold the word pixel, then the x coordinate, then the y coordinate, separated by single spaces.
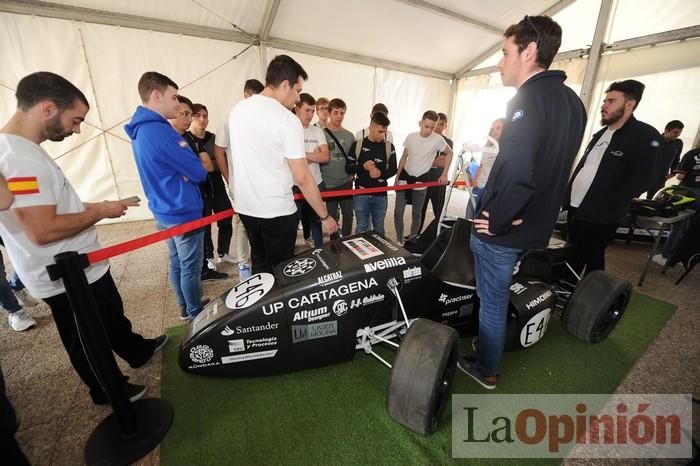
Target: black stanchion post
pixel 133 429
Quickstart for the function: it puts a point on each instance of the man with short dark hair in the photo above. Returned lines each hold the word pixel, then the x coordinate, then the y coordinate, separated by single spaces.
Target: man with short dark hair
pixel 614 168
pixel 170 173
pixel 267 158
pixel 418 155
pixel 668 157
pixel 181 122
pixel 316 152
pixel 213 191
pixel 252 87
pixel 517 211
pixel 372 163
pixel 48 218
pixel 377 108
pixel 436 194
pixel 334 175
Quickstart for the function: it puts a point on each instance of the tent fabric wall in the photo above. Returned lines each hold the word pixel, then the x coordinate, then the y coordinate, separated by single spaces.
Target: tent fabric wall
pixel 106 61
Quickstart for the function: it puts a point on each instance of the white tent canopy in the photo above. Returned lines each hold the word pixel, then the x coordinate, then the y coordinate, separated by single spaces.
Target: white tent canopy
pixel 413 55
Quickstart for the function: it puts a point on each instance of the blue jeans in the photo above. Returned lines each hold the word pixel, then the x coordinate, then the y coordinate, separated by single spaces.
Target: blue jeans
pixel 494 275
pixel 186 256
pixel 370 211
pixel 7 298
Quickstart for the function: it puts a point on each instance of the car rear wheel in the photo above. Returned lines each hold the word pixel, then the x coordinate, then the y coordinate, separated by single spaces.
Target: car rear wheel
pixel 422 376
pixel 596 306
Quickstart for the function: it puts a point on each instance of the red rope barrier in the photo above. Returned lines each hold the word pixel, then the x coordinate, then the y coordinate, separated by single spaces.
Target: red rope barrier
pixel 138 243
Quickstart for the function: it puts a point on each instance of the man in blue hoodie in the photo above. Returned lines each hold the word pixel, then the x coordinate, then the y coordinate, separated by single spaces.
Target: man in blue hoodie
pixel 170 173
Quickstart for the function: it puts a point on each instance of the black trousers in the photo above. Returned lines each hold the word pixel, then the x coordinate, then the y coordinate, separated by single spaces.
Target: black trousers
pixel 10 452
pixel 271 240
pixel 215 204
pixel 436 196
pixel 129 346
pixel 590 241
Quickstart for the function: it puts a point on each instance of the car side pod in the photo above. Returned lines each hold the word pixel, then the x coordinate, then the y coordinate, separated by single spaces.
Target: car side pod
pixel 596 306
pixel 421 376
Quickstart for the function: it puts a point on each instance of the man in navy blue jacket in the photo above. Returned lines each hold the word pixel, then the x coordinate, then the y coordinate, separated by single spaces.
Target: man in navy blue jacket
pixel 170 173
pixel 519 206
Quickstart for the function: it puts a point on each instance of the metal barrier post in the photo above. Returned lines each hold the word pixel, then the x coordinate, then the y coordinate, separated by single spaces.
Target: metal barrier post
pixel 133 429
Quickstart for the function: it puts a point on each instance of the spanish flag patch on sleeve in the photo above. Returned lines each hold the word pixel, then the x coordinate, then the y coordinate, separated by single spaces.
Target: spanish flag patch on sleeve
pixel 23 185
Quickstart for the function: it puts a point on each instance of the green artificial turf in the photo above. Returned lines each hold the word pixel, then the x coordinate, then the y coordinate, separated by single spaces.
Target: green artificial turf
pixel 337 414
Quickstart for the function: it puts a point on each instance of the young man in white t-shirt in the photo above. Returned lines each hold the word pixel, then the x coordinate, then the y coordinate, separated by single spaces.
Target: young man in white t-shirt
pixel 316 152
pixel 48 217
pixel 267 159
pixel 418 154
pixel 222 154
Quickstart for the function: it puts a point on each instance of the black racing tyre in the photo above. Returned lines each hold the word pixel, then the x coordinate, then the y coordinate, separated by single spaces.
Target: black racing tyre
pixel 596 306
pixel 422 375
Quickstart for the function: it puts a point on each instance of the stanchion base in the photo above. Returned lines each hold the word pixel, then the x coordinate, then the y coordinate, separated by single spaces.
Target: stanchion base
pixel 107 445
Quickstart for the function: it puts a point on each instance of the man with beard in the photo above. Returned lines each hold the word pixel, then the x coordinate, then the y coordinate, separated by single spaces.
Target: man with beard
pixel 615 168
pixel 47 218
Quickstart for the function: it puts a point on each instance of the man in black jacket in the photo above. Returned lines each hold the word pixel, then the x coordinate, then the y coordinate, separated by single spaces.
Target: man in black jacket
pixel 615 167
pixel 519 206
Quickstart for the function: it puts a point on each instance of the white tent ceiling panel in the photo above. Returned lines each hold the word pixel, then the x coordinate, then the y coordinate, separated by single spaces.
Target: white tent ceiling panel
pixel 393 31
pixel 634 18
pixel 248 14
pixel 496 12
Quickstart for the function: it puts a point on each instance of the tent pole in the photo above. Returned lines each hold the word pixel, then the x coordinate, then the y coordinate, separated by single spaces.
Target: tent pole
pixel 605 17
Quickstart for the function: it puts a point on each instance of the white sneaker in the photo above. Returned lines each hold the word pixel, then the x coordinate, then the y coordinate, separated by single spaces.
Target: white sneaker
pixel 227 258
pixel 659 259
pixel 25 299
pixel 211 264
pixel 20 321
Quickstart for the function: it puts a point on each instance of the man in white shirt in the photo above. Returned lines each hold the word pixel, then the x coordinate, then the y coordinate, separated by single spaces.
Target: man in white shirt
pixel 48 217
pixel 267 159
pixel 418 154
pixel 316 152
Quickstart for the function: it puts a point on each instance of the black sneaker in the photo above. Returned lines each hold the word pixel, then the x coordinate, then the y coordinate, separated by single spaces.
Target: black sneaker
pixel 469 367
pixel 160 343
pixel 133 391
pixel 213 275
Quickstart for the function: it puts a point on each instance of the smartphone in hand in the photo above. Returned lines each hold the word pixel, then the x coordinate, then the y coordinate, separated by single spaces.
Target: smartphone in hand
pixel 132 199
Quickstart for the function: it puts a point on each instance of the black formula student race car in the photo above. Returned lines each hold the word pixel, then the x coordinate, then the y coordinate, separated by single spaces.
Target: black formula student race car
pixel 324 305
